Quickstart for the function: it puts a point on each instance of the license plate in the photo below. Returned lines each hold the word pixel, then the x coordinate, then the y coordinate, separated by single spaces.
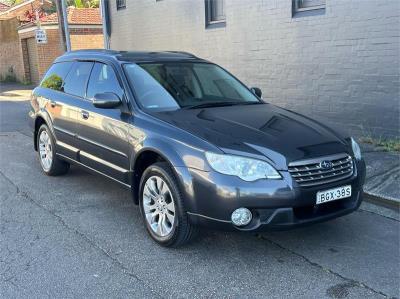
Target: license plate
pixel 333 194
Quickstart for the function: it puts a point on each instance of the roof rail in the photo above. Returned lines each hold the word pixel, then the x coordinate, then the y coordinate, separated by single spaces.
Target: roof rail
pixel 182 52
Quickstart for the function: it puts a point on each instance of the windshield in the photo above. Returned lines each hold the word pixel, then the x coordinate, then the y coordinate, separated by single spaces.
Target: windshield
pixel 174 85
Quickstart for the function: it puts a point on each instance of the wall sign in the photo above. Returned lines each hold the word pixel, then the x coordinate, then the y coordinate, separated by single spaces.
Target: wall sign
pixel 41 37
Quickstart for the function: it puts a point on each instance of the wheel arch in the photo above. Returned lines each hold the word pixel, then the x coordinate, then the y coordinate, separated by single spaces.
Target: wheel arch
pixel 148 156
pixel 41 118
pixel 39 121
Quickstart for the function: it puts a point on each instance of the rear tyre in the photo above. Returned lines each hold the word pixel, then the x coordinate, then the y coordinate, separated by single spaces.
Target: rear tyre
pixel 50 163
pixel 162 207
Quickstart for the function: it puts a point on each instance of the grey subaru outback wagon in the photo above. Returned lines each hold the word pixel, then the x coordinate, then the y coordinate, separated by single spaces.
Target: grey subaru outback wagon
pixel 195 146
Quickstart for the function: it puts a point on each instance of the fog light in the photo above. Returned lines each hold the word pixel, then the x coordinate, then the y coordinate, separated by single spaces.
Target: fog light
pixel 241 216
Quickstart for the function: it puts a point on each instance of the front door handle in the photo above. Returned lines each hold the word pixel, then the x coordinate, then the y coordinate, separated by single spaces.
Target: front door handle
pixel 84 114
pixel 53 104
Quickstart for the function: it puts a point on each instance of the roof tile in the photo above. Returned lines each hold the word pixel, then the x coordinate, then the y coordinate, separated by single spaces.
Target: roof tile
pixel 83 16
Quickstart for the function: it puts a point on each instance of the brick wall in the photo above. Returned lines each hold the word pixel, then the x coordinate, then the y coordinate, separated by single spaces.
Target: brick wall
pixel 10 53
pixel 341 67
pixel 86 38
pixel 81 38
pixel 46 52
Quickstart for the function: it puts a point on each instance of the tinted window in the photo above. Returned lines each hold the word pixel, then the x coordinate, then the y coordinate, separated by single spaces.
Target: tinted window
pixel 54 78
pixel 76 80
pixel 148 90
pixel 165 85
pixel 103 79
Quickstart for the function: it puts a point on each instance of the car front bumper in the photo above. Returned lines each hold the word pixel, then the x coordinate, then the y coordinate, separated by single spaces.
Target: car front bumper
pixel 211 197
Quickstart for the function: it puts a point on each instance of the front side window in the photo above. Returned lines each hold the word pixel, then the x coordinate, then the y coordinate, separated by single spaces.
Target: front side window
pixel 103 79
pixel 55 76
pixel 76 80
pixel 173 85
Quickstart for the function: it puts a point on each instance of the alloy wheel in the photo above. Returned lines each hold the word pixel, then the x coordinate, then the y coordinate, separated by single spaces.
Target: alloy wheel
pixel 158 206
pixel 45 150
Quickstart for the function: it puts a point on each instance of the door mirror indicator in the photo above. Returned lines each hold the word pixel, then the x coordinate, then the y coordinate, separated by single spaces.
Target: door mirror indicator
pixel 106 100
pixel 256 91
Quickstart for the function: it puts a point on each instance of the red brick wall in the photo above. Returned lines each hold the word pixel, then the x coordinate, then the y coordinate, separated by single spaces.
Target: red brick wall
pixel 86 38
pixel 81 38
pixel 46 52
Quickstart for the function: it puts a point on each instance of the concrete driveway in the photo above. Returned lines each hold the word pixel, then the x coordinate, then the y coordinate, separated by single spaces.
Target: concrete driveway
pixel 80 235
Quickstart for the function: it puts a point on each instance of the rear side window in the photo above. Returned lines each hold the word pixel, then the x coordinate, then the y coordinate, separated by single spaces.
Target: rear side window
pixel 55 76
pixel 103 79
pixel 76 80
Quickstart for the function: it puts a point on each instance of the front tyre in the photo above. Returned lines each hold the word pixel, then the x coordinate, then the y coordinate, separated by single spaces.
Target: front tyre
pixel 162 208
pixel 50 163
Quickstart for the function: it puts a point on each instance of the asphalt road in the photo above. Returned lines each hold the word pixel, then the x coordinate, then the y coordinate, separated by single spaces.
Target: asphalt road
pixel 80 235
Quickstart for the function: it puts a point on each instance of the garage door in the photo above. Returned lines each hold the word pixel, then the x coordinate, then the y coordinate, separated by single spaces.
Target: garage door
pixel 33 60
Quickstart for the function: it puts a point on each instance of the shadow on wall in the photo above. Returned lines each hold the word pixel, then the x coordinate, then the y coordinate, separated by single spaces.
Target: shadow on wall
pixel 9 76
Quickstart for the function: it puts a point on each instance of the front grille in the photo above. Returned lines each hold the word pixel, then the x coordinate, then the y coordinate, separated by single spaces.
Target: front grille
pixel 309 172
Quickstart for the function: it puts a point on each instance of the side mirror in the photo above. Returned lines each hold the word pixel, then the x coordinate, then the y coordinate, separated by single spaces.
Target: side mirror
pixel 256 91
pixel 106 100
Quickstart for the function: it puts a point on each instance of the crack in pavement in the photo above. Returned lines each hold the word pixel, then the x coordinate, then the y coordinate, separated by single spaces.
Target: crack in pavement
pixel 314 264
pixel 115 261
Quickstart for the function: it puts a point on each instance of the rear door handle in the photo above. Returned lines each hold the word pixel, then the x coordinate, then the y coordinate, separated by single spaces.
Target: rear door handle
pixel 53 103
pixel 84 114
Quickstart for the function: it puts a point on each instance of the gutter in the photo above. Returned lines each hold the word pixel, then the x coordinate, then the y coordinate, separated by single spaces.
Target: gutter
pixel 390 203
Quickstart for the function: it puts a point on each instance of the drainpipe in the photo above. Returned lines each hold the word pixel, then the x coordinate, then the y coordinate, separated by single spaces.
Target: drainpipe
pixel 65 21
pixel 106 24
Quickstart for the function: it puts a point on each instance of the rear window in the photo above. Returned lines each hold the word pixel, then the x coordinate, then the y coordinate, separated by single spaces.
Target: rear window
pixel 55 76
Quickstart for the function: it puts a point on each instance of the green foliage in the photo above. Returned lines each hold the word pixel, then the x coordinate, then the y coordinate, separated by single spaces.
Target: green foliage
pixel 94 3
pixel 84 3
pixel 12 2
pixel 53 82
pixel 79 4
pixel 388 145
pixel 76 3
pixel 8 78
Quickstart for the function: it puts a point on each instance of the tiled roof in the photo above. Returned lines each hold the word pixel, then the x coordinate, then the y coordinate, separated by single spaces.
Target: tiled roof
pixel 3 7
pixel 83 16
pixel 19 10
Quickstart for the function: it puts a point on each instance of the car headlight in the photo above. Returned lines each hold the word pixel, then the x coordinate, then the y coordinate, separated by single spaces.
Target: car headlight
pixel 245 168
pixel 356 149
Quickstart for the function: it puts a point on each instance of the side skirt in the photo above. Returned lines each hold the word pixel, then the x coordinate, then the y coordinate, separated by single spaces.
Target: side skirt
pixel 93 170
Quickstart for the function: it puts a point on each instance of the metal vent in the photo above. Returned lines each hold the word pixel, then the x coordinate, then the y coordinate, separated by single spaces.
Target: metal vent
pixel 310 172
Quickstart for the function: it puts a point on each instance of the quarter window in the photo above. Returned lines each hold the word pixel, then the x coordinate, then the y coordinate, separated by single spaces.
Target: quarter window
pixel 103 79
pixel 55 76
pixel 215 12
pixel 76 80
